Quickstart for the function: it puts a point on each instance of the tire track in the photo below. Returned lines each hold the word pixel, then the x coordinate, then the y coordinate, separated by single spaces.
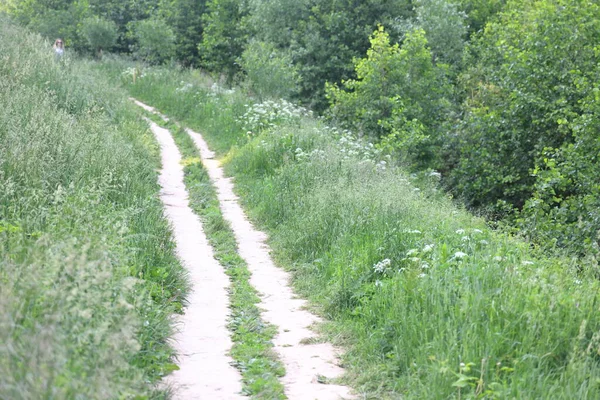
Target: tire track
pixel 308 366
pixel 203 341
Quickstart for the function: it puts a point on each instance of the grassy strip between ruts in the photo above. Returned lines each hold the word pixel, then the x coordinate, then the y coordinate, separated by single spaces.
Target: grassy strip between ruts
pixel 252 349
pixel 429 301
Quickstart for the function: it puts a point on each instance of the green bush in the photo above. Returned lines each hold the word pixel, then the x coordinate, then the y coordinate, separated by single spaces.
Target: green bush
pixel 225 36
pixel 399 95
pixel 155 40
pixel 445 29
pixel 564 210
pixel 531 70
pixel 100 34
pixel 269 72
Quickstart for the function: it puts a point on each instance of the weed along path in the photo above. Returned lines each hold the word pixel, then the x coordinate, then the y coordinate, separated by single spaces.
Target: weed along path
pixel 203 340
pixel 310 365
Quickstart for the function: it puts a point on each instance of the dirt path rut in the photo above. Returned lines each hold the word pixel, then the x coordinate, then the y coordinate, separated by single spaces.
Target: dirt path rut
pixel 203 340
pixel 308 366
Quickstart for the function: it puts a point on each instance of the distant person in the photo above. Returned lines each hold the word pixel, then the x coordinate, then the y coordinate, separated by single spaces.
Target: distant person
pixel 59 48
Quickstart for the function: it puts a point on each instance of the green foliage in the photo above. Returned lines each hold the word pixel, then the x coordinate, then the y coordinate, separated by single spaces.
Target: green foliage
pixel 530 75
pixel 445 29
pixel 185 18
pixel 100 34
pixel 155 40
pixel 564 209
pixel 322 36
pixel 399 94
pixel 225 36
pixel 52 19
pixel 479 12
pixel 269 71
pixel 427 300
pixel 88 274
pixel 123 13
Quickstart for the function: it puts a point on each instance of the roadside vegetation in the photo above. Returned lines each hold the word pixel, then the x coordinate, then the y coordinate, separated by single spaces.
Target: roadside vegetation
pixel 88 277
pixel 364 138
pixel 427 299
pixel 498 96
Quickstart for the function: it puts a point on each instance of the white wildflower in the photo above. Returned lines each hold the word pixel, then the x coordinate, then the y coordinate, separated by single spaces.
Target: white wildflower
pixel 428 248
pixel 460 231
pixel 412 252
pixel 382 265
pixel 460 254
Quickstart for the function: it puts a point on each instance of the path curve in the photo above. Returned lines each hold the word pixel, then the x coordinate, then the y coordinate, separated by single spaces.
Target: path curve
pixel 202 341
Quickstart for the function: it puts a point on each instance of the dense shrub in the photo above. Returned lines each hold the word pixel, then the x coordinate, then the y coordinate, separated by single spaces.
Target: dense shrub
pixel 185 18
pixel 269 71
pixel 530 73
pixel 399 95
pixel 100 34
pixel 225 36
pixel 445 29
pixel 564 210
pixel 155 40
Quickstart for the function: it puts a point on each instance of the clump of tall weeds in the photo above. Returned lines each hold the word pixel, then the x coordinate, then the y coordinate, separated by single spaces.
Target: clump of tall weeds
pixel 88 277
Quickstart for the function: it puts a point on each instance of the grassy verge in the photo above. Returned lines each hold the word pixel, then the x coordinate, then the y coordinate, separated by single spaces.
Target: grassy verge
pixel 88 277
pixel 252 349
pixel 429 301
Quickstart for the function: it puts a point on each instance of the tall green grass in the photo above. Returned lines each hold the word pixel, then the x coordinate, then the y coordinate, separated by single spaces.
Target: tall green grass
pixel 428 301
pixel 88 277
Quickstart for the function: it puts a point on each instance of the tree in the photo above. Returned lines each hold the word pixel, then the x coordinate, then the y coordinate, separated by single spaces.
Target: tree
pixel 185 19
pixel 445 29
pixel 225 36
pixel 99 34
pixel 123 13
pixel 399 94
pixel 523 92
pixel 479 12
pixel 323 37
pixel 155 40
pixel 269 71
